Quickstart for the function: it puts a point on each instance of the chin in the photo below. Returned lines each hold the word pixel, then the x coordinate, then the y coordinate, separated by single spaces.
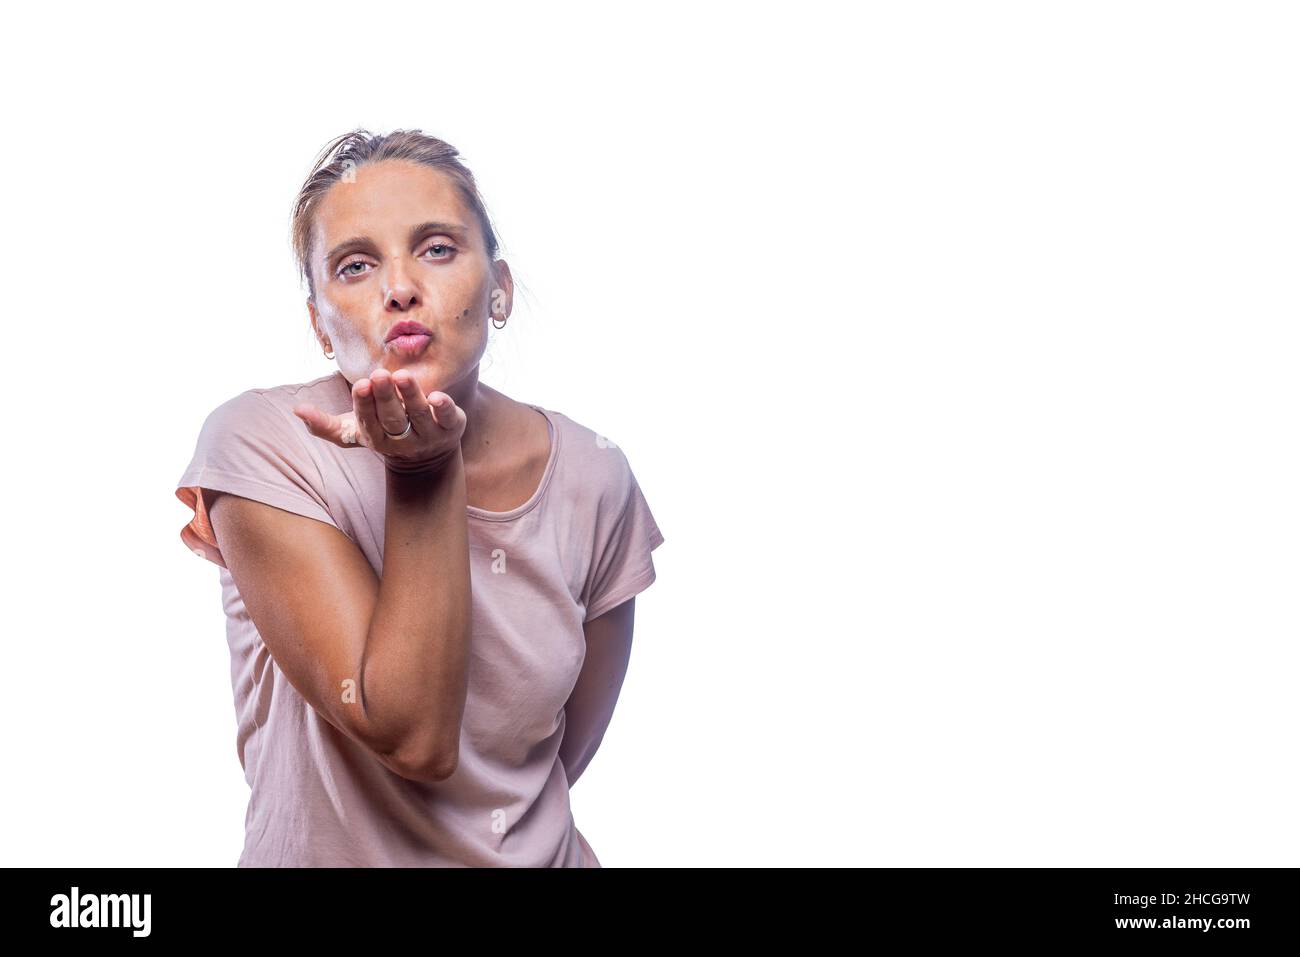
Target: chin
pixel 428 381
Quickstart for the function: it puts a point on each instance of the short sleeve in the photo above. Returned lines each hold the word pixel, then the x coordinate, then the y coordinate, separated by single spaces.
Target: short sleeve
pixel 623 566
pixel 250 448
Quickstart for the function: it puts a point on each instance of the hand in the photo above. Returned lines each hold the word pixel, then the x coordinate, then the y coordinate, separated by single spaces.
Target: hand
pixel 382 403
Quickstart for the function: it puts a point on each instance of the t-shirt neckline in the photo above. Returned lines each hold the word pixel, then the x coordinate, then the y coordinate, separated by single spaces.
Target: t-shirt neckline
pixel 482 513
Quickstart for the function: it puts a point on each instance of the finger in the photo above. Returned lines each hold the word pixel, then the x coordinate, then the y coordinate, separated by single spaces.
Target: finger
pixel 388 404
pixel 444 409
pixel 323 425
pixel 417 406
pixel 310 415
pixel 363 405
pixel 349 433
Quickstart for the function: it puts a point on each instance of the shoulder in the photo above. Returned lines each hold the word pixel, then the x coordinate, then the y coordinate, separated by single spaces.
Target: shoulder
pixel 271 407
pixel 328 392
pixel 252 445
pixel 258 424
pixel 594 462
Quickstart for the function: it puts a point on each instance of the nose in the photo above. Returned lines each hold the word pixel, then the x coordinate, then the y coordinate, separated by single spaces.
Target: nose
pixel 400 294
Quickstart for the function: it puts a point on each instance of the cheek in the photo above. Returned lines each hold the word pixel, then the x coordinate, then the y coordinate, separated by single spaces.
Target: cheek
pixel 351 335
pixel 469 324
pixel 334 313
pixel 348 319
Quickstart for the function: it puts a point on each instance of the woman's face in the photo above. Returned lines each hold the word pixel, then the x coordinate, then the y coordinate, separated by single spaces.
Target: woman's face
pixel 394 245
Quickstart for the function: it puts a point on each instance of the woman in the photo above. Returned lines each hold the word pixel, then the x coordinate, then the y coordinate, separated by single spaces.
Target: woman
pixel 429 586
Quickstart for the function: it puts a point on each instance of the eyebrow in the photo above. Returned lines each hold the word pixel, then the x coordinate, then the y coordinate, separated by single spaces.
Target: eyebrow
pixel 364 242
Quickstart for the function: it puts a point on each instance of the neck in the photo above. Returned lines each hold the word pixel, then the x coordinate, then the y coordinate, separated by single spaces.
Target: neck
pixel 482 405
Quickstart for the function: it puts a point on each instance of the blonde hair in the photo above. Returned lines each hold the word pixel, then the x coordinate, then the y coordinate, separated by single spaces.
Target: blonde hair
pixel 343 155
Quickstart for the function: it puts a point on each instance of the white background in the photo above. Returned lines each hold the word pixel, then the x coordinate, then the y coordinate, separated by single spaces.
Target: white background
pixel 953 345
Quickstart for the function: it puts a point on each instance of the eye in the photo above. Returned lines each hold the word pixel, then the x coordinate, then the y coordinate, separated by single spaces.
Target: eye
pixel 441 251
pixel 448 248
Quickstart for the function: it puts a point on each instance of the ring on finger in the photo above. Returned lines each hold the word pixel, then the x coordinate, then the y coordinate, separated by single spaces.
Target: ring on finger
pixel 401 434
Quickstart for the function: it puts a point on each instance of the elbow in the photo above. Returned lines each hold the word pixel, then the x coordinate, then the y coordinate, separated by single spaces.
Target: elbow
pixel 425 754
pixel 425 767
pixel 436 771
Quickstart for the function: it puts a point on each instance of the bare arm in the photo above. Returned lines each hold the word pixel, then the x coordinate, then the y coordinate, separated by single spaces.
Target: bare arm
pixel 591 704
pixel 384 660
pixel 400 644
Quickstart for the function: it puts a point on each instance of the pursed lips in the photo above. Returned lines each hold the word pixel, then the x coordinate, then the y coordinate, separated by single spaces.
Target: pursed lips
pixel 407 328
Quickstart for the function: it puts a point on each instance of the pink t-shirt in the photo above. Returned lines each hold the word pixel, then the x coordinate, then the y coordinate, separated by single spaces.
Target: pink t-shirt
pixel 577 548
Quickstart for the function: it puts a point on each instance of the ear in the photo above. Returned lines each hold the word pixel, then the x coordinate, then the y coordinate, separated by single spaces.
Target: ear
pixel 502 302
pixel 315 326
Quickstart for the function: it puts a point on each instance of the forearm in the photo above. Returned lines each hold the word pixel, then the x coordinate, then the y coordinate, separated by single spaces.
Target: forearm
pixel 586 719
pixel 590 707
pixel 575 756
pixel 414 666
